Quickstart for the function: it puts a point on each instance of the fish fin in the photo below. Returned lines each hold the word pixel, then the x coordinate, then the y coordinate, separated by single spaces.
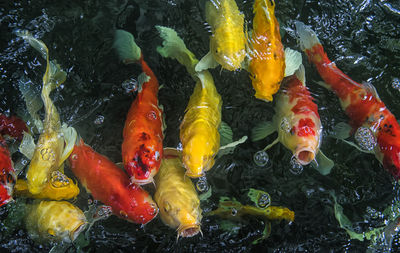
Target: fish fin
pixel 293 61
pixel 120 165
pixel 225 131
pixel 61 168
pixel 262 130
pixel 301 75
pixel 124 44
pixel 307 37
pixel 371 88
pixel 207 62
pixel 358 148
pixel 323 164
pixel 342 131
pixel 230 147
pixel 32 100
pixel 27 146
pixel 70 137
pixel 323 84
pixel 142 78
pixel 174 47
pixel 272 144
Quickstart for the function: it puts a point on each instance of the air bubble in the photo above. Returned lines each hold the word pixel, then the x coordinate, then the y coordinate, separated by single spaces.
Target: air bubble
pixel 264 200
pixel 130 85
pixel 261 158
pixel 365 138
pixel 234 211
pixel 99 120
pixel 202 184
pixel 295 167
pixel 396 84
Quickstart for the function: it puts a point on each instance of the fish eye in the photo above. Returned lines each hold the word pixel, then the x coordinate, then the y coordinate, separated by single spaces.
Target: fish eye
pixel 233 212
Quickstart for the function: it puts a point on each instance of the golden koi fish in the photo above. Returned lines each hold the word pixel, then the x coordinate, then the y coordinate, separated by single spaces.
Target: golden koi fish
pixel 50 152
pixel 55 220
pixel 228 41
pixel 267 64
pixel 59 187
pixel 199 129
pixel 176 196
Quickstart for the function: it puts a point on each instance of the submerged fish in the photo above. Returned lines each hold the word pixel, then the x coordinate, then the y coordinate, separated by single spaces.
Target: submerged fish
pixel 143 131
pixel 228 41
pixel 297 122
pixel 361 103
pixel 59 187
pixel 50 152
pixel 176 196
pixel 267 63
pixel 55 220
pixel 12 126
pixel 7 174
pixel 110 185
pixel 199 129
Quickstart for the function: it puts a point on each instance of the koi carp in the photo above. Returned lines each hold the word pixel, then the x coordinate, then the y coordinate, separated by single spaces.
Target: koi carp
pixel 55 220
pixel 176 196
pixel 143 131
pixel 228 40
pixel 199 129
pixel 50 152
pixel 12 126
pixel 110 185
pixel 369 117
pixel 297 122
pixel 7 174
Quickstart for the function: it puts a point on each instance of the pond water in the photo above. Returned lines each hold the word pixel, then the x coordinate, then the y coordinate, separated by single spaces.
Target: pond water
pixel 360 36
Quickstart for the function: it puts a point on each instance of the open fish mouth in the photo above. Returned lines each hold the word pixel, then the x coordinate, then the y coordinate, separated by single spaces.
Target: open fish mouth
pixel 75 233
pixel 142 181
pixel 189 230
pixel 304 155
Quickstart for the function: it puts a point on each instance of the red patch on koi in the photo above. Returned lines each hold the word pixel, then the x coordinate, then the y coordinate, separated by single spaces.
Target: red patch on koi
pixel 306 127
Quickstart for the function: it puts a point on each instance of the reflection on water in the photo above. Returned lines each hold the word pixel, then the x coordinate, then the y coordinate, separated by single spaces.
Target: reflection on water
pixel 360 36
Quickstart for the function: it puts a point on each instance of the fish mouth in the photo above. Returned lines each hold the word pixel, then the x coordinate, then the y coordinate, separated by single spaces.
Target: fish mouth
pixel 75 233
pixel 142 181
pixel 194 175
pixel 305 155
pixel 189 230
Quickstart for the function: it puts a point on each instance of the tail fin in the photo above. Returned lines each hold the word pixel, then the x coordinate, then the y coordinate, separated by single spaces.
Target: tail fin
pixel 124 43
pixel 174 47
pixel 308 38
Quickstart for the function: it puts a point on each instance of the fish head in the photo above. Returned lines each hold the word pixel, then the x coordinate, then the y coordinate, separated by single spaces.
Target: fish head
pixel 229 53
pixel 197 156
pixel 137 206
pixel 302 136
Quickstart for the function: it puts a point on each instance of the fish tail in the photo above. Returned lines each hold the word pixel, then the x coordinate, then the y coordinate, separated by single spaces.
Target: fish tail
pixel 127 49
pixel 307 37
pixel 174 47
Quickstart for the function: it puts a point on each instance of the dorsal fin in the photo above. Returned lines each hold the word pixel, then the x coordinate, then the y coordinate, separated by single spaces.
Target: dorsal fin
pixel 371 88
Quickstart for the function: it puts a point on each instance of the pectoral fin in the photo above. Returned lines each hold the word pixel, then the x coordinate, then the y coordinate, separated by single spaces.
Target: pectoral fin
pixel 323 164
pixel 358 148
pixel 342 131
pixel 262 130
pixel 226 133
pixel 70 137
pixel 230 147
pixel 27 146
pixel 293 61
pixel 207 62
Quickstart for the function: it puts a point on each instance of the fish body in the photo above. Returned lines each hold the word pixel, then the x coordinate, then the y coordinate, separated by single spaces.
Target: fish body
pixel 267 64
pixel 359 101
pixel 7 174
pixel 55 220
pixel 228 41
pixel 59 187
pixel 176 196
pixel 110 185
pixel 199 129
pixel 12 126
pixel 297 120
pixel 142 146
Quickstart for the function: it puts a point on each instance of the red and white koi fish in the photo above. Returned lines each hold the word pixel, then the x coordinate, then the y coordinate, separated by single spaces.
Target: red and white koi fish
pixel 297 122
pixel 361 103
pixel 13 127
pixel 142 147
pixel 110 185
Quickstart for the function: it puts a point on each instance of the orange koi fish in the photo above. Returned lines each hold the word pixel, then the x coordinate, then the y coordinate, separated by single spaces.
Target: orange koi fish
pixel 142 147
pixel 110 185
pixel 366 110
pixel 267 64
pixel 297 122
pixel 13 127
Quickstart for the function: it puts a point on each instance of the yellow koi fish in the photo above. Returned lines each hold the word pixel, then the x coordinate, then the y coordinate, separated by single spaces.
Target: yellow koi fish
pixel 59 187
pixel 176 196
pixel 55 220
pixel 50 152
pixel 228 41
pixel 267 64
pixel 199 129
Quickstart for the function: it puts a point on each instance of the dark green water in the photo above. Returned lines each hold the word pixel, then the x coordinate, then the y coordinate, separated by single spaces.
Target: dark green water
pixel 361 36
